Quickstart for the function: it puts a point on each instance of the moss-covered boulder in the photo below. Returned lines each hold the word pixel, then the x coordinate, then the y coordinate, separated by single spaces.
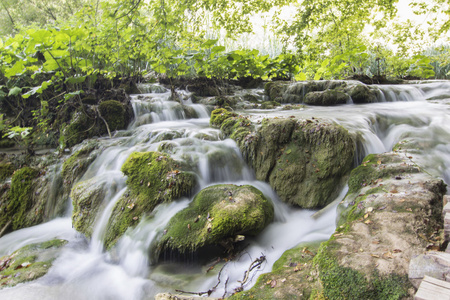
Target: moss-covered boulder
pixel 28 263
pixel 19 199
pixel 217 215
pixel 305 161
pixel 326 98
pixel 153 178
pixel 87 197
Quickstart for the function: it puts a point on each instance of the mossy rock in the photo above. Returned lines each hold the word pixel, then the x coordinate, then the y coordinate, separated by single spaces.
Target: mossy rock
pixel 305 161
pixel 216 216
pixel 360 93
pixel 114 114
pixel 28 263
pixel 326 98
pixel 80 127
pixel 87 197
pixel 19 198
pixel 389 216
pixel 378 166
pixel 6 170
pixel 76 165
pixel 153 178
pixel 218 116
pixel 275 89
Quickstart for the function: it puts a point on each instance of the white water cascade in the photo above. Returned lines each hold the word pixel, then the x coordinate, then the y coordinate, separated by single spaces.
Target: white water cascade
pixel 84 270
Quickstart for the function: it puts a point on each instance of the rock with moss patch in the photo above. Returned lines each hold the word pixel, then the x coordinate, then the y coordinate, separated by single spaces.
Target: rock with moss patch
pixel 305 161
pixel 76 165
pixel 28 263
pixel 153 178
pixel 87 197
pixel 389 215
pixel 216 216
pixel 326 98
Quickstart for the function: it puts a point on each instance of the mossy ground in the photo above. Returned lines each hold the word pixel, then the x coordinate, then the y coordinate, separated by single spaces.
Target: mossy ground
pixel 153 178
pixel 28 263
pixel 216 214
pixel 292 277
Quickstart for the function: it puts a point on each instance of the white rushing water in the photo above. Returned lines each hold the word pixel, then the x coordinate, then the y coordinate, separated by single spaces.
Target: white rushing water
pixel 83 270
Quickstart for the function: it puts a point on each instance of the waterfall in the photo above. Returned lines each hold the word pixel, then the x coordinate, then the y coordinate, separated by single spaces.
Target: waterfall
pixel 84 270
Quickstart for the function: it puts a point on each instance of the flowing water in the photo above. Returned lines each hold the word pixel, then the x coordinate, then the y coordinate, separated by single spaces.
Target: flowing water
pixel 84 270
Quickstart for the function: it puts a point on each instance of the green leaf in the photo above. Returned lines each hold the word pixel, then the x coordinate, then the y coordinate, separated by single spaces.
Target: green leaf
pixel 300 76
pixel 217 49
pixel 70 95
pixel 16 69
pixel 77 79
pixel 208 44
pixel 14 91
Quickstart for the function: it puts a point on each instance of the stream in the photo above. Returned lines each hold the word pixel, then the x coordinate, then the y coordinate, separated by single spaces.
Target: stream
pixel 84 270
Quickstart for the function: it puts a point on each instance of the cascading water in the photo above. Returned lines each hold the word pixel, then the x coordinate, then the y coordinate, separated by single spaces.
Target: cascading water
pixel 84 270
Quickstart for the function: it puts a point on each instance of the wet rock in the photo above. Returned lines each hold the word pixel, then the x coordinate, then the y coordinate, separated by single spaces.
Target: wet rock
pixel 305 161
pixel 326 98
pixel 153 178
pixel 216 216
pixel 87 197
pixel 28 263
pixel 324 92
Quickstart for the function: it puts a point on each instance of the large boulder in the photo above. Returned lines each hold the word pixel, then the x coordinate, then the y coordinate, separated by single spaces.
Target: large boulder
pixel 153 178
pixel 305 161
pixel 218 215
pixel 392 212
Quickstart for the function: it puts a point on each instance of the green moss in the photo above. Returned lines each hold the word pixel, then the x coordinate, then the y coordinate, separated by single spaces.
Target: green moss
pixel 346 283
pixel 153 178
pixel 6 170
pixel 218 116
pixel 28 263
pixel 231 209
pixel 114 114
pixel 20 197
pixel 375 166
